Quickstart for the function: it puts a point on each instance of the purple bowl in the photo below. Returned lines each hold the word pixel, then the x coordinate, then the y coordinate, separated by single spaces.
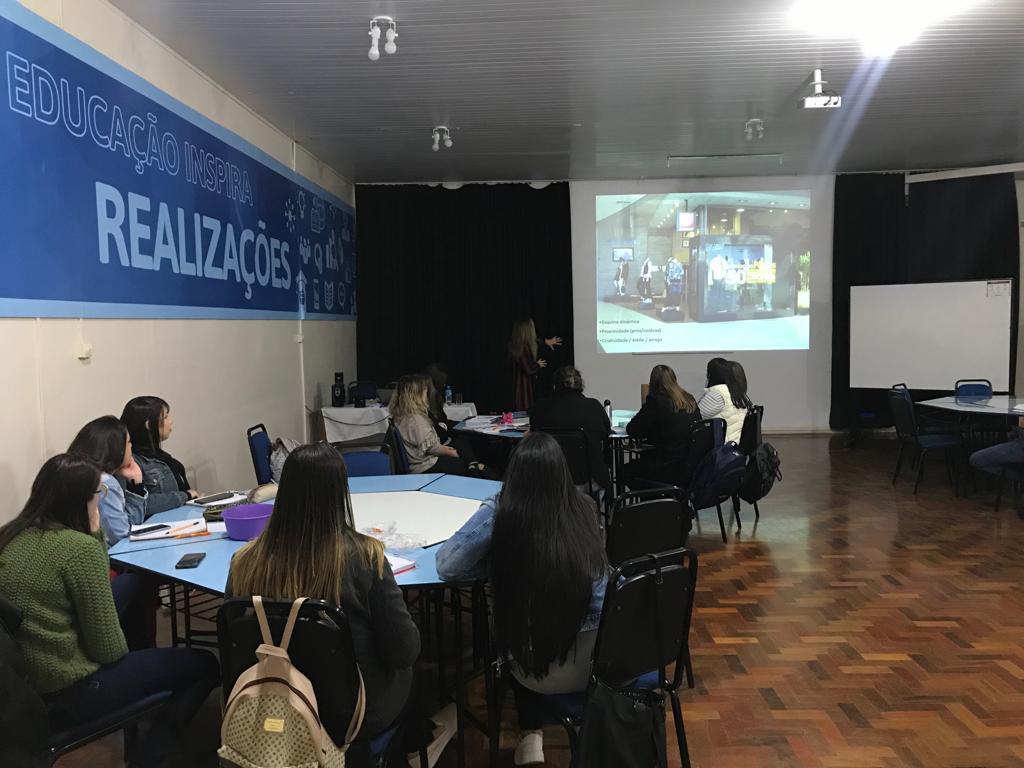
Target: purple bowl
pixel 246 521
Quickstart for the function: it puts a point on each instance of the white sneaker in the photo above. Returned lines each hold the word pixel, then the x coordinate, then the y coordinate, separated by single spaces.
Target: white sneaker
pixel 446 720
pixel 530 749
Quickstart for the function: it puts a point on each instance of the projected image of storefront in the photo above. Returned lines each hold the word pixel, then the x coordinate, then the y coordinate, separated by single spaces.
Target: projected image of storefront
pixel 738 279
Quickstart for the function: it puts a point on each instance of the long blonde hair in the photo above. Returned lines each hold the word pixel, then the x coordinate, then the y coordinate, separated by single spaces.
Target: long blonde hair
pixel 663 380
pixel 411 397
pixel 524 339
pixel 311 538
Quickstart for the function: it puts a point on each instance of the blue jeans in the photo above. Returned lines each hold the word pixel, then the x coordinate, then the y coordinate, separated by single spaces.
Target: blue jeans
pixel 189 673
pixel 1008 455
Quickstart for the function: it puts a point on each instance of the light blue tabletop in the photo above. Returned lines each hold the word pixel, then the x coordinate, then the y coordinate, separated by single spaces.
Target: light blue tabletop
pixel 998 405
pixel 160 556
pixel 386 483
pixel 463 487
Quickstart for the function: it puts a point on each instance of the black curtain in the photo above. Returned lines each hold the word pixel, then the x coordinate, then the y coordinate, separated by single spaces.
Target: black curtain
pixel 961 229
pixel 443 275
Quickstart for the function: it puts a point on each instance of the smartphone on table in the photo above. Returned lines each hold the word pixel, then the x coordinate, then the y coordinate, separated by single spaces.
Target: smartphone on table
pixel 191 560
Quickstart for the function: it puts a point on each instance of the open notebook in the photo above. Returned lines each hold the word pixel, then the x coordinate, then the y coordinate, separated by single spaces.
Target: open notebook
pixel 399 564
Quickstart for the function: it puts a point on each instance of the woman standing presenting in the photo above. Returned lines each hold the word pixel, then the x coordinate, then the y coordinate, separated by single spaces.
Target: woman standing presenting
pixel 522 351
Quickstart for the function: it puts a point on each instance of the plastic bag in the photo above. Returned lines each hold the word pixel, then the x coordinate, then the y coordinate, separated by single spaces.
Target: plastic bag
pixel 392 539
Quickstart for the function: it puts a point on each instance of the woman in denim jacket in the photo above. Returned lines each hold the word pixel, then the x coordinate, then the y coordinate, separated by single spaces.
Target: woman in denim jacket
pixel 148 419
pixel 123 502
pixel 539 541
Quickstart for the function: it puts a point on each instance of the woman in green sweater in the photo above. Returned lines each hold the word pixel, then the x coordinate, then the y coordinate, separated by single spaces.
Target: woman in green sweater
pixel 54 567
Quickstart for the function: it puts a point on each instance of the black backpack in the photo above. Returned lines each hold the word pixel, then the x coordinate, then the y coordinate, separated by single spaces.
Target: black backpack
pixel 718 476
pixel 763 469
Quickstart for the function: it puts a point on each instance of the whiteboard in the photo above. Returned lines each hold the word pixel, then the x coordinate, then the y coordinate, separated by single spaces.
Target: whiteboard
pixel 930 334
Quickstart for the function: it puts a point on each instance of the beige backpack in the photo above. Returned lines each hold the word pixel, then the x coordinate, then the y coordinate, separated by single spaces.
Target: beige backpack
pixel 271 718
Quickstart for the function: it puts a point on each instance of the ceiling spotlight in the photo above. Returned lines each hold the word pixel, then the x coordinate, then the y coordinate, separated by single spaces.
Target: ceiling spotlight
pixel 440 135
pixel 753 127
pixel 391 32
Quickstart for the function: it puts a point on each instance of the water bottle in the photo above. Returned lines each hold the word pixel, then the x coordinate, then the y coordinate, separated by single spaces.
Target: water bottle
pixel 448 394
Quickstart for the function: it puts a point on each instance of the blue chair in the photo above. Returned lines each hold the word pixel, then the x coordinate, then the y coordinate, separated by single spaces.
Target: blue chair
pixel 645 625
pixel 260 447
pixel 972 389
pixel 366 463
pixel 908 432
pixel 396 449
pixel 30 739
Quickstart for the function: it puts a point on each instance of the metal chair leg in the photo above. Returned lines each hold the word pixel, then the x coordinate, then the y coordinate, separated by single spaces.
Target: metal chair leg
pixel 736 512
pixel 899 462
pixel 721 523
pixel 689 666
pixel 920 468
pixel 757 512
pixel 677 716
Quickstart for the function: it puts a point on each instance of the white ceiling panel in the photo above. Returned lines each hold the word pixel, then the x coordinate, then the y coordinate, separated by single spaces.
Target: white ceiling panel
pixel 596 89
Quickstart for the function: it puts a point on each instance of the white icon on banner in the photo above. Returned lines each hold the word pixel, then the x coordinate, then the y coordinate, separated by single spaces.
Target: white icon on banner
pixel 328 295
pixel 289 214
pixel 317 216
pixel 341 297
pixel 302 204
pixel 304 250
pixel 332 251
pixel 316 295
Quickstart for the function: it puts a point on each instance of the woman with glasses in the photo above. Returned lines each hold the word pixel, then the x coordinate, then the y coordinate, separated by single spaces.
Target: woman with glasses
pixel 105 440
pixel 54 568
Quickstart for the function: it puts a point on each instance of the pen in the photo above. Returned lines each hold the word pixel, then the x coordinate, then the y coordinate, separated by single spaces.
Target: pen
pixel 191 535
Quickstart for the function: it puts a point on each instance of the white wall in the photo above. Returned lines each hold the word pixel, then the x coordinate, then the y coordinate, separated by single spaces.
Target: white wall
pixel 219 376
pixel 794 386
pixel 1019 378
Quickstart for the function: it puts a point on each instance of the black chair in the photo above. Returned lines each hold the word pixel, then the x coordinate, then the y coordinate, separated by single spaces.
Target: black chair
pixel 29 738
pixel 645 626
pixel 750 440
pixel 321 648
pixel 908 432
pixel 577 449
pixel 645 521
pixel 260 447
pixel 705 436
pixel 395 447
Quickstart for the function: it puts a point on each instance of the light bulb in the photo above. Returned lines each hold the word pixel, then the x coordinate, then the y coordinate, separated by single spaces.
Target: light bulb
pixel 437 141
pixel 374 34
pixel 448 141
pixel 390 47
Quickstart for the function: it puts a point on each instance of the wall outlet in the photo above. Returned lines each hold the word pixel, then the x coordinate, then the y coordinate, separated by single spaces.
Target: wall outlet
pixel 83 350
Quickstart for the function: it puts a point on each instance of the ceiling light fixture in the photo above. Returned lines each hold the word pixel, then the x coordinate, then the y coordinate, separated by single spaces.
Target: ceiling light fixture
pixel 880 26
pixel 391 32
pixel 753 127
pixel 440 135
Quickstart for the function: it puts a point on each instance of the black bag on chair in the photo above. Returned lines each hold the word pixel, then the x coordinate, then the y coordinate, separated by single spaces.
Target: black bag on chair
pixel 622 728
pixel 763 470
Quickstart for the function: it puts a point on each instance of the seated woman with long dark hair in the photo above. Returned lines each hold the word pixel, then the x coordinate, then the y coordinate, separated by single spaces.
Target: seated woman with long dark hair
pixel 54 567
pixel 664 421
pixel 726 396
pixel 149 423
pixel 540 542
pixel 106 441
pixel 310 548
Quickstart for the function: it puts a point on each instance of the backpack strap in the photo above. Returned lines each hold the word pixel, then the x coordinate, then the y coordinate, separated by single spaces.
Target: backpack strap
pixel 289 627
pixel 261 617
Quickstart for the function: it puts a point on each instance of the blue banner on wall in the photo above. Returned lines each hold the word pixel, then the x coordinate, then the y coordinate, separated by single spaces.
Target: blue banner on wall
pixel 118 201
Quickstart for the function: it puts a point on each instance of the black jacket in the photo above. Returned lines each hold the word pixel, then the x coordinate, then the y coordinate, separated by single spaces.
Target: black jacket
pixel 386 641
pixel 569 409
pixel 664 429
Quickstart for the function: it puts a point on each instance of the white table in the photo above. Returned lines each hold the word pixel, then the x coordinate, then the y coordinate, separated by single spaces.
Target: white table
pixel 997 405
pixel 342 425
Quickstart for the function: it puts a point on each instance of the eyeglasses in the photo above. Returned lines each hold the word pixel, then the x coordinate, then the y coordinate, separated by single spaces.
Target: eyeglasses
pixel 101 491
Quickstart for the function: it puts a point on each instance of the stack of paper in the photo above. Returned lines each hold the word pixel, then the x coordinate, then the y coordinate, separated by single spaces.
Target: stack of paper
pixel 399 564
pixel 480 421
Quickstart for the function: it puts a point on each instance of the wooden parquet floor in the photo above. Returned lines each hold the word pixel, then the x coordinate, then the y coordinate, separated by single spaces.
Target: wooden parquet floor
pixel 856 626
